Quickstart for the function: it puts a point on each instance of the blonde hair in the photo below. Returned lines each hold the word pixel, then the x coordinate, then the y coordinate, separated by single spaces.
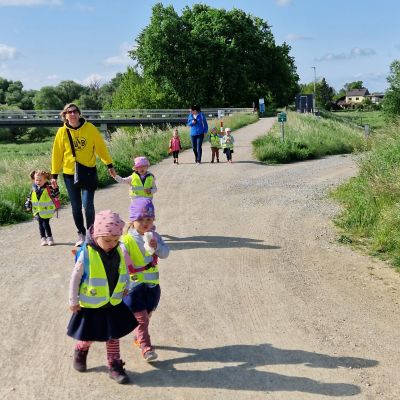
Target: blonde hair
pixel 127 226
pixel 63 113
pixel 40 172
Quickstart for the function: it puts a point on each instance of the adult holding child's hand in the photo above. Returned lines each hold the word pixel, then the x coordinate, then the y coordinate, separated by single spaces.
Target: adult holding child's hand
pixel 75 148
pixel 198 128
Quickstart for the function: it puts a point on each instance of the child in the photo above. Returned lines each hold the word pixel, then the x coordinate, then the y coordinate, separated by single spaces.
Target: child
pixel 42 202
pixel 144 246
pixel 215 142
pixel 175 145
pixel 227 142
pixel 99 281
pixel 143 183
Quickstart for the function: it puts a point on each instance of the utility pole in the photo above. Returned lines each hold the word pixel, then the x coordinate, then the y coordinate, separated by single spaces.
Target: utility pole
pixel 315 93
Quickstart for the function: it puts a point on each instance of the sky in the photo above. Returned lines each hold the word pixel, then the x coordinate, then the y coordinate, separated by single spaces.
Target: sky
pixel 43 42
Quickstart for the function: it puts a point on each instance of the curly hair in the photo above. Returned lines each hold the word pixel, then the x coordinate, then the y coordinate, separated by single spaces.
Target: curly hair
pixel 40 172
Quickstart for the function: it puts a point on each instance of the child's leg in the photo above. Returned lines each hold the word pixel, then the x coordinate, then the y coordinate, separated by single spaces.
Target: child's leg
pixel 142 330
pixel 212 154
pixel 217 153
pixel 42 228
pixel 113 353
pixel 228 154
pixel 80 355
pixel 46 224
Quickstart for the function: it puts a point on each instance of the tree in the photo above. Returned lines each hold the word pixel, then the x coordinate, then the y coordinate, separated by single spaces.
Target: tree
pixel 47 98
pixel 391 101
pixel 353 85
pixel 213 57
pixel 324 94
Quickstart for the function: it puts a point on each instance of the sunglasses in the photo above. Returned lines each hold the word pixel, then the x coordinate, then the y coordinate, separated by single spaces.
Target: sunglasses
pixel 72 111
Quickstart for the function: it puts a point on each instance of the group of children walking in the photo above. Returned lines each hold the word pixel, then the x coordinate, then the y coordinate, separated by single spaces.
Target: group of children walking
pixel 223 140
pixel 114 286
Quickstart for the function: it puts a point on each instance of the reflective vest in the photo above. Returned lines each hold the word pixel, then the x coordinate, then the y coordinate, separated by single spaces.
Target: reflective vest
pixel 94 291
pixel 141 272
pixel 137 187
pixel 43 206
pixel 215 141
pixel 226 145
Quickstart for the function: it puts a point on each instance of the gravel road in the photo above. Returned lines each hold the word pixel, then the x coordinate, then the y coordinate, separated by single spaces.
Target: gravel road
pixel 259 300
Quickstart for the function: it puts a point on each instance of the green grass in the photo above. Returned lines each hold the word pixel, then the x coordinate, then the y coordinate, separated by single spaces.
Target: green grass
pixel 371 201
pixel 375 119
pixel 18 160
pixel 307 137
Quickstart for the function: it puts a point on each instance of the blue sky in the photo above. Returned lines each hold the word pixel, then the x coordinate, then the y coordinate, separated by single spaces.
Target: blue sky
pixel 45 41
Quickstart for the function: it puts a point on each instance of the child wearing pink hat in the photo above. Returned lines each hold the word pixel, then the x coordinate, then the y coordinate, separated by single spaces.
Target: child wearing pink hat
pixel 142 182
pixel 98 283
pixel 144 246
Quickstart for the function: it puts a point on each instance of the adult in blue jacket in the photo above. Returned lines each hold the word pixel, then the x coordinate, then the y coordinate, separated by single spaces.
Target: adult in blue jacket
pixel 198 128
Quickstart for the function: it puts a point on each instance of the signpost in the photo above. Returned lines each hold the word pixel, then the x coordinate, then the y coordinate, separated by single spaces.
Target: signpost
pixel 282 118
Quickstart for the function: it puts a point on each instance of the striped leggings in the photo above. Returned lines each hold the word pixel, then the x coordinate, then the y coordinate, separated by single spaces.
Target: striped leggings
pixel 112 347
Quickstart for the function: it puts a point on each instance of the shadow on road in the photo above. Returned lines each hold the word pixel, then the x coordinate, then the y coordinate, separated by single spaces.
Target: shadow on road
pixel 245 376
pixel 215 242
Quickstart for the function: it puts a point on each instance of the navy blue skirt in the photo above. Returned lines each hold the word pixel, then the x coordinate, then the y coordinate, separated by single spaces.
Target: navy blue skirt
pixel 101 324
pixel 143 297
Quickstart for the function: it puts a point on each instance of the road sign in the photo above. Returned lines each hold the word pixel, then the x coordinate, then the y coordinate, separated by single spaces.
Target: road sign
pixel 282 117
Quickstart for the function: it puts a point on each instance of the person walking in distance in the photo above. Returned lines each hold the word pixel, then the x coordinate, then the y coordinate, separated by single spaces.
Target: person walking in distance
pixel 227 142
pixel 198 128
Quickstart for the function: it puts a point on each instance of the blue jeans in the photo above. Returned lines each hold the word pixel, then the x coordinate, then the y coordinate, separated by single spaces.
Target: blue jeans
pixel 44 227
pixel 78 198
pixel 197 142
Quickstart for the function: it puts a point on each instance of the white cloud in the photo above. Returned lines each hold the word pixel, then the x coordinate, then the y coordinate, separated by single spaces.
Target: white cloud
pixel 283 3
pixel 53 77
pixel 30 3
pixel 293 37
pixel 7 52
pixel 354 53
pixel 122 58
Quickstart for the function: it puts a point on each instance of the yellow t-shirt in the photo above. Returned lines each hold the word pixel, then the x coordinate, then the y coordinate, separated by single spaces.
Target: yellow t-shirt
pixel 88 143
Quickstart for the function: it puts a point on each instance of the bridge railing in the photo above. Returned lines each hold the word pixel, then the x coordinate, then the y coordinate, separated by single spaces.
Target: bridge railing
pixel 119 114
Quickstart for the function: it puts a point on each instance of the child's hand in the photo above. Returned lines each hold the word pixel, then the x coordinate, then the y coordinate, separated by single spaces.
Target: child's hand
pixel 153 243
pixel 147 191
pixel 75 309
pixel 125 293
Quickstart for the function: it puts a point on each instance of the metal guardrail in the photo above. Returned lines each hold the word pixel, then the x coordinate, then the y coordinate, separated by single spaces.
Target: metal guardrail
pixel 99 115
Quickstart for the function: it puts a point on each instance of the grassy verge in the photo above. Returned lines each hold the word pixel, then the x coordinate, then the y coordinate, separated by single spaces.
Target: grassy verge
pixel 371 201
pixel 375 119
pixel 17 161
pixel 307 137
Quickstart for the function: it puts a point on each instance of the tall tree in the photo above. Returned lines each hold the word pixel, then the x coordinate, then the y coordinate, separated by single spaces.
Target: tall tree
pixel 391 101
pixel 214 57
pixel 353 85
pixel 324 94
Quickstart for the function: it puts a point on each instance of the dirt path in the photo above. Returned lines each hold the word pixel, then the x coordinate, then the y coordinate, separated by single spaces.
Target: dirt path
pixel 259 300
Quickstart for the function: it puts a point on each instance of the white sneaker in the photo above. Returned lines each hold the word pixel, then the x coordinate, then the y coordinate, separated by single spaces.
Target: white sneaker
pixel 81 240
pixel 150 356
pixel 43 241
pixel 50 241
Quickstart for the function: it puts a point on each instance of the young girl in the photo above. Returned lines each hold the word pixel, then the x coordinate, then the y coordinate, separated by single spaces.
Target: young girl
pixel 215 142
pixel 143 183
pixel 42 202
pixel 98 283
pixel 227 142
pixel 144 246
pixel 175 145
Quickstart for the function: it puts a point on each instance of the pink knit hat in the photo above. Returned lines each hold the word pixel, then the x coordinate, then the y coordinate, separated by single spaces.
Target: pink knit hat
pixel 107 223
pixel 141 162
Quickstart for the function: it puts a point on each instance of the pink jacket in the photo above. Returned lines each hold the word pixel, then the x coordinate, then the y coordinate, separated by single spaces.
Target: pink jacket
pixel 175 144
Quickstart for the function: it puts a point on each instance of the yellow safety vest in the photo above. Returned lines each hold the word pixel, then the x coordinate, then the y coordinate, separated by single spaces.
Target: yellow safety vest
pixel 148 275
pixel 137 187
pixel 94 291
pixel 226 145
pixel 215 141
pixel 43 206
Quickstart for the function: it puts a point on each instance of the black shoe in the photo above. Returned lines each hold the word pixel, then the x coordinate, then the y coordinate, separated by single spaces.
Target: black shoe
pixel 174 161
pixel 217 159
pixel 80 360
pixel 117 372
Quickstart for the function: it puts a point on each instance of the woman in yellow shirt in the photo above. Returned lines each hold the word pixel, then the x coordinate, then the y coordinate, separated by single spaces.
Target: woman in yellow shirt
pixel 88 143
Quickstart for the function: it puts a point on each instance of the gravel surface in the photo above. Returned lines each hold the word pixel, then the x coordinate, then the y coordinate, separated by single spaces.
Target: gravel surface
pixel 259 300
